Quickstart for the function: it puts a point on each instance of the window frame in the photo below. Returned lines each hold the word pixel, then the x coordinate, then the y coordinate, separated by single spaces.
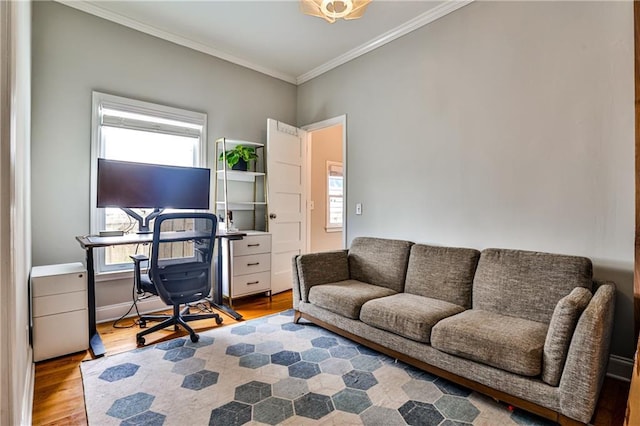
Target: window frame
pixel 332 227
pixel 102 100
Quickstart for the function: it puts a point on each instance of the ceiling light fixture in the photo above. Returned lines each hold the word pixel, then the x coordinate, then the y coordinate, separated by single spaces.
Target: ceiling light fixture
pixel 330 10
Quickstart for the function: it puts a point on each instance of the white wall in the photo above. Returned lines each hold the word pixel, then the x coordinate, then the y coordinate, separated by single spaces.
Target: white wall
pixel 16 369
pixel 326 145
pixel 75 53
pixel 503 124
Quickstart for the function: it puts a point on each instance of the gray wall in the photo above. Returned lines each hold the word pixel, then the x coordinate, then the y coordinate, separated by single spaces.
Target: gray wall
pixel 75 53
pixel 507 124
pixel 504 124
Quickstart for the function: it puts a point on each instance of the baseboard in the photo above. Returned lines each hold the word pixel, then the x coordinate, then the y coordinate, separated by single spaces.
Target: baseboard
pixel 29 389
pixel 113 312
pixel 620 368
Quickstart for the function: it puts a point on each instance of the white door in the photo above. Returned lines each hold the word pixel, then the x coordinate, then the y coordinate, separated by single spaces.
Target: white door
pixel 287 199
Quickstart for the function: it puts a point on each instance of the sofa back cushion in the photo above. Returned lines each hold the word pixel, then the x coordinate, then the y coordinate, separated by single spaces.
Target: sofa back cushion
pixel 444 273
pixel 527 284
pixel 379 261
pixel 319 268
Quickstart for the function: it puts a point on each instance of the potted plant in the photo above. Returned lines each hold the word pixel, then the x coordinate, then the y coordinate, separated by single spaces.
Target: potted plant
pixel 239 157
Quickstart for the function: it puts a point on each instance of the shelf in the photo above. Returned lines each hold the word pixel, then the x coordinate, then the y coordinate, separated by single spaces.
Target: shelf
pixel 233 142
pixel 240 205
pixel 238 172
pixel 259 203
pixel 239 175
pixel 241 190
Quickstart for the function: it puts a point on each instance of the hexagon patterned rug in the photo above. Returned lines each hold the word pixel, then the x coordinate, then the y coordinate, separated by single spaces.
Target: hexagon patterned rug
pixel 272 371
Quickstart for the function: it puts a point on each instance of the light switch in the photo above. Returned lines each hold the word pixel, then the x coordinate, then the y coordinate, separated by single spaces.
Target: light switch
pixel 358 208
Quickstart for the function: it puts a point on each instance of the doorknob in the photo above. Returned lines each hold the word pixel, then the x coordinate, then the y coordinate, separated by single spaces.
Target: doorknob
pixel 272 216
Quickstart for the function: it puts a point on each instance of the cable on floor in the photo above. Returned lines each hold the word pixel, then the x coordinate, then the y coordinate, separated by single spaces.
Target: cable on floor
pixel 134 304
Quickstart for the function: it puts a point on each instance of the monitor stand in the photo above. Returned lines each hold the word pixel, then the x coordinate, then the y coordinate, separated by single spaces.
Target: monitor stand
pixel 143 222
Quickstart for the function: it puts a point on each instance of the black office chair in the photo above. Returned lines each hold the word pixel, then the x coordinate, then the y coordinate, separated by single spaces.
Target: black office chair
pixel 180 269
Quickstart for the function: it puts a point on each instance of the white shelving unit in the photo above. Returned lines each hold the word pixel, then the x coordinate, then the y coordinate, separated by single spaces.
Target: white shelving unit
pixel 243 195
pixel 249 191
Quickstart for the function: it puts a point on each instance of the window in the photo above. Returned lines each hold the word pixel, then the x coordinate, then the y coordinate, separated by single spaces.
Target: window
pixel 130 130
pixel 334 196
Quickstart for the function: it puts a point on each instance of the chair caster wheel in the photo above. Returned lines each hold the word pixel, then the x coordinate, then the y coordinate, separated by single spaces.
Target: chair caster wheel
pixel 195 338
pixel 218 320
pixel 140 341
pixel 142 324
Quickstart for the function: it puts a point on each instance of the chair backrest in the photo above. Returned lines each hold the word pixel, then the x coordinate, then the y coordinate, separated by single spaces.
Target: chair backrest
pixel 180 266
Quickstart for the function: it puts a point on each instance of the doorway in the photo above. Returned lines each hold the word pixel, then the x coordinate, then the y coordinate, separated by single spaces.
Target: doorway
pixel 326 185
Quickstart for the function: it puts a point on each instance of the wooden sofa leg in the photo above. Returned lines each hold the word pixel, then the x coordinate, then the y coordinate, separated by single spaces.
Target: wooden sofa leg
pixel 296 316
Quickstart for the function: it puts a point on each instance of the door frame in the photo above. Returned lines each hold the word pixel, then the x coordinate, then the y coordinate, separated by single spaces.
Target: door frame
pixel 310 128
pixel 636 268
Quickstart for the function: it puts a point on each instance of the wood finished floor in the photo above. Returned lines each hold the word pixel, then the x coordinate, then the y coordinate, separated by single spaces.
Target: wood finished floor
pixel 59 398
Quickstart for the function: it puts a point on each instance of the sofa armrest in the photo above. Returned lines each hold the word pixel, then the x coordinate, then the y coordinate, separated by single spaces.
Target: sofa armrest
pixel 296 281
pixel 588 355
pixel 317 268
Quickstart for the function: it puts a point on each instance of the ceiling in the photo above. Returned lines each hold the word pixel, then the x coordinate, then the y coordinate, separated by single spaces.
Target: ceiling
pixel 271 36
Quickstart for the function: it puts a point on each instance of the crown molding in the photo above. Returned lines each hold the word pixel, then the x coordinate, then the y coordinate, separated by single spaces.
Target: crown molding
pixel 421 20
pixel 93 9
pixel 409 26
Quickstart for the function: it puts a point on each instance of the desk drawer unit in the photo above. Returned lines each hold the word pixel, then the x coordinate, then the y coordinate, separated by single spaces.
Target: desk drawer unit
pixel 248 269
pixel 59 310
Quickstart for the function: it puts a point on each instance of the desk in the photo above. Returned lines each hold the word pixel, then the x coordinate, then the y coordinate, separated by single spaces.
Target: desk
pixel 90 242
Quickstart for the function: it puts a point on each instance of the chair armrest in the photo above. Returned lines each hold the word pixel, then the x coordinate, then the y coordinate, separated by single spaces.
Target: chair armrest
pixel 588 355
pixel 137 260
pixel 318 268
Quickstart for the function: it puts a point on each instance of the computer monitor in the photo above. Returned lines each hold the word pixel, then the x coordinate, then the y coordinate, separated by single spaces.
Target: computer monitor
pixel 130 185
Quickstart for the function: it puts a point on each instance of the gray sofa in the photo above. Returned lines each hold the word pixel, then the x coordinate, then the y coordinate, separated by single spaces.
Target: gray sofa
pixel 530 329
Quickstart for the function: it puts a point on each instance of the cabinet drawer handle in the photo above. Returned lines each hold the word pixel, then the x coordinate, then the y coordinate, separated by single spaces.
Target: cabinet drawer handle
pixel 253 245
pixel 253 282
pixel 253 264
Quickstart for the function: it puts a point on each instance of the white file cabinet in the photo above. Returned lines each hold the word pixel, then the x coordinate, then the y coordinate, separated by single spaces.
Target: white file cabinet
pixel 247 266
pixel 59 310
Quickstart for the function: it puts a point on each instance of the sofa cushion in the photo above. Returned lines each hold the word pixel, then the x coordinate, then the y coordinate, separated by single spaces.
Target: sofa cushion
pixel 408 315
pixel 563 323
pixel 346 297
pixel 527 284
pixel 379 261
pixel 444 273
pixel 509 343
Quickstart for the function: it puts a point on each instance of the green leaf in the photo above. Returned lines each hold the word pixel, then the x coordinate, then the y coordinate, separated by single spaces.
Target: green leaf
pixel 247 153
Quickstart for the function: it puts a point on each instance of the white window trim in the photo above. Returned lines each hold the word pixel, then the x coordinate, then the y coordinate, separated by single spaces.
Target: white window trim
pixel 330 227
pixel 100 100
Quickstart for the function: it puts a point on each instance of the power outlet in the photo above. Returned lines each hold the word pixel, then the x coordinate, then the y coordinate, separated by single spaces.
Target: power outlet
pixel 358 208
